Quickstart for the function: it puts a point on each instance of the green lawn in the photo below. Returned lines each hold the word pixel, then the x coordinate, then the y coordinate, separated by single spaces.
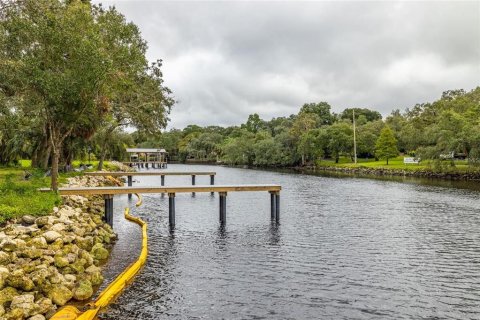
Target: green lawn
pixel 19 197
pixel 395 163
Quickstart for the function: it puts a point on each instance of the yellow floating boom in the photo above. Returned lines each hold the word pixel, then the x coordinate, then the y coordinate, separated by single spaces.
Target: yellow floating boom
pixel 117 286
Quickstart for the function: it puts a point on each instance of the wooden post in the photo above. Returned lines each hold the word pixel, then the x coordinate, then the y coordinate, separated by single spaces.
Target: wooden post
pixel 171 209
pixel 146 165
pixel 277 206
pixel 223 207
pixel 162 182
pixel 272 205
pixel 212 182
pixel 108 215
pixel 130 180
pixel 193 183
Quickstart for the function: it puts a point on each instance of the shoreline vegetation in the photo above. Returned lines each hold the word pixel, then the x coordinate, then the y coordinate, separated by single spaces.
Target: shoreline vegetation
pixel 52 248
pixel 446 170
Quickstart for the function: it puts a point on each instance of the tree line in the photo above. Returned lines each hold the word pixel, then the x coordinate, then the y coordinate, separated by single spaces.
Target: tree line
pixel 428 130
pixel 72 76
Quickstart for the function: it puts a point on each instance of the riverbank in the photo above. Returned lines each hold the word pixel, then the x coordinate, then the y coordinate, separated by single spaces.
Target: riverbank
pixel 48 260
pixel 420 173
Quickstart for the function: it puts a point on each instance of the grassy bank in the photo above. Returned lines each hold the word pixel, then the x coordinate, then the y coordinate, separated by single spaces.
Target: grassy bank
pixel 459 166
pixel 19 196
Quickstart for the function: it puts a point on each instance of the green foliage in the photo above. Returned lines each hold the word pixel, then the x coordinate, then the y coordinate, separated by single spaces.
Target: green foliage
pixel 367 114
pixel 322 110
pixel 386 145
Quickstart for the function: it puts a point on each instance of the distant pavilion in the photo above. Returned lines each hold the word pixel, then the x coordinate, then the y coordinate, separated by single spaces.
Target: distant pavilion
pixel 143 157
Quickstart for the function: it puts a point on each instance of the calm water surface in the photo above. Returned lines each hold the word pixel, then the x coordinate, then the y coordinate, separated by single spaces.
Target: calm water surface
pixel 346 248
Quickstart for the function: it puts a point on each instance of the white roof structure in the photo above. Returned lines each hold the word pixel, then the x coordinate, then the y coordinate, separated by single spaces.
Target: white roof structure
pixel 145 150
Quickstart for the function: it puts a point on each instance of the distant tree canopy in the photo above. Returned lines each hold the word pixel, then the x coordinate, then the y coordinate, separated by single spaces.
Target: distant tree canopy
pixel 431 129
pixel 74 69
pixel 367 114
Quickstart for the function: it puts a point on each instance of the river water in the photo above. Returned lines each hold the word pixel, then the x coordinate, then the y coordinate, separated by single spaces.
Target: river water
pixel 345 248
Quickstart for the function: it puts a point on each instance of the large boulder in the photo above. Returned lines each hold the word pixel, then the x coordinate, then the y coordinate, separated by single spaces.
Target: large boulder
pixel 39 242
pixel 59 294
pixel 45 304
pixel 51 236
pixel 4 258
pixel 19 280
pixel 83 290
pixel 31 253
pixel 26 304
pixel 7 294
pixel 8 245
pixel 4 273
pixel 42 221
pixel 28 219
pixel 84 243
pixel 61 261
pixel 99 252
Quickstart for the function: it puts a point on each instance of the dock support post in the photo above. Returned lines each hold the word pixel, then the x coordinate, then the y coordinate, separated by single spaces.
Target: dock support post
pixel 212 182
pixel 130 180
pixel 277 206
pixel 272 205
pixel 223 207
pixel 146 165
pixel 162 182
pixel 171 209
pixel 193 183
pixel 108 209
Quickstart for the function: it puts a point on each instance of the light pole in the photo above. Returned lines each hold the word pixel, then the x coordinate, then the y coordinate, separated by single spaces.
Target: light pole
pixel 354 139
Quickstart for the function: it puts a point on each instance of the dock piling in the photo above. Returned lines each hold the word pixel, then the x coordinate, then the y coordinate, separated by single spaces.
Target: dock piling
pixel 129 183
pixel 272 205
pixel 212 182
pixel 223 207
pixel 108 216
pixel 277 206
pixel 193 183
pixel 171 209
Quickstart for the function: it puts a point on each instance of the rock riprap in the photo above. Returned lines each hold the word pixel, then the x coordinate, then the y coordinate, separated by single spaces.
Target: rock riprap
pixel 47 261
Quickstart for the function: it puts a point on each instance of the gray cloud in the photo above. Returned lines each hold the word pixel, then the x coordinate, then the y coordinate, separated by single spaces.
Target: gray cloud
pixel 226 60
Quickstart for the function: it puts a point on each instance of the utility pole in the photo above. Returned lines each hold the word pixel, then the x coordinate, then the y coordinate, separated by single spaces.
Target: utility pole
pixel 354 139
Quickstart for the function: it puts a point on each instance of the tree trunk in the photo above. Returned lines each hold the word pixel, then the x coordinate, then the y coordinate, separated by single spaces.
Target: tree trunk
pixel 55 159
pixel 387 161
pixel 103 153
pixel 102 158
pixel 45 157
pixel 303 159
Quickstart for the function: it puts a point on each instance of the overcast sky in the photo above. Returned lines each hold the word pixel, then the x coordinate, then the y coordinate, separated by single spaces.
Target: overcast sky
pixel 226 60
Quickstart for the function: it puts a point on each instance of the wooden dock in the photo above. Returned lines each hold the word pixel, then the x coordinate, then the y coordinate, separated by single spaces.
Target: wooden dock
pixel 162 175
pixel 109 192
pixel 150 173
